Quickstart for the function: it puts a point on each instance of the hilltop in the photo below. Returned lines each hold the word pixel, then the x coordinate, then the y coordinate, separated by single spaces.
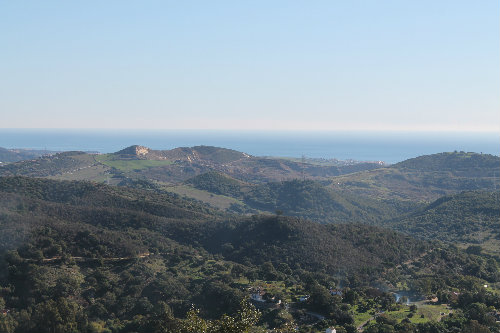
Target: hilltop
pixel 201 154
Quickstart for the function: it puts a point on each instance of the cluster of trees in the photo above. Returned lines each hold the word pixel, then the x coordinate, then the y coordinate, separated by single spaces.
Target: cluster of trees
pixel 65 315
pixel 217 183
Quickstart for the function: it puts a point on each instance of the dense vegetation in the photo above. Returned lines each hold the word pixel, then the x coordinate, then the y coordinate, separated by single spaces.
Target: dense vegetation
pixel 303 198
pixel 314 201
pixel 79 256
pixel 468 218
pixel 218 183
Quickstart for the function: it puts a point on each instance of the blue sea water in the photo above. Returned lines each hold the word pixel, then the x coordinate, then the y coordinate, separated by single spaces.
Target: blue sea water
pixel 390 147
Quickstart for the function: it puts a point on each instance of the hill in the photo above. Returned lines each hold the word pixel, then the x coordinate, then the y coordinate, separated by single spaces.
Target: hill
pixel 301 198
pixel 466 218
pixel 178 165
pixel 117 209
pixel 332 249
pixel 53 165
pixel 314 201
pixel 16 155
pixel 207 154
pixel 218 183
pixel 425 178
pixel 458 163
pixel 173 167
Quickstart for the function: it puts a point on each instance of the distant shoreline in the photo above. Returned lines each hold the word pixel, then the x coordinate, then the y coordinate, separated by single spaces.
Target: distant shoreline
pixel 389 147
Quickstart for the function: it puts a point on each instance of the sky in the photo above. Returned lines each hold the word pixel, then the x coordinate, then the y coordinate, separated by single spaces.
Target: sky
pixel 427 65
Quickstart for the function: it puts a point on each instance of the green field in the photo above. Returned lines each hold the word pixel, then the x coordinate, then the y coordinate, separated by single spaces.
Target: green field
pixel 361 317
pixel 95 173
pixel 215 200
pixel 424 313
pixel 129 165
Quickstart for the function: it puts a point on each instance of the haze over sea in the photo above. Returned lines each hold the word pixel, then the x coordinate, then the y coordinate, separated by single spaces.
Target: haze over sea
pixel 390 147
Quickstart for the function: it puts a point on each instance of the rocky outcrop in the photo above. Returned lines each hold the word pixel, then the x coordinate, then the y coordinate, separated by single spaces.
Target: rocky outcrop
pixel 137 151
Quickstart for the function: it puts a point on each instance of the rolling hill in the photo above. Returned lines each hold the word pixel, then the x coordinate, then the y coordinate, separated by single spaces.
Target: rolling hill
pixel 425 178
pixel 53 165
pixel 467 218
pixel 16 155
pixel 301 198
pixel 174 166
pixel 116 209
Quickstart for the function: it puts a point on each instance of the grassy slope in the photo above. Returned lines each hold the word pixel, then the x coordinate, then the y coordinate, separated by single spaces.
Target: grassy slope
pixel 215 200
pixel 128 165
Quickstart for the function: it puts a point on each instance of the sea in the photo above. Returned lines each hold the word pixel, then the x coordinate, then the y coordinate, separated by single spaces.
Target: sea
pixel 389 147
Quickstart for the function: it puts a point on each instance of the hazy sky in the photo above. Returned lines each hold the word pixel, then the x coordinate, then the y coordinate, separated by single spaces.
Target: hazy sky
pixel 329 65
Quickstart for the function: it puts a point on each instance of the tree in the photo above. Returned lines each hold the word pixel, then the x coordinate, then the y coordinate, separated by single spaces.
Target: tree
pixel 475 327
pixel 7 324
pixel 59 316
pixel 241 322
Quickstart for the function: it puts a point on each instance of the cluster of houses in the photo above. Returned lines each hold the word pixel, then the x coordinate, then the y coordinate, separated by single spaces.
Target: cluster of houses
pixel 259 295
pixel 335 292
pixel 496 315
pixel 256 294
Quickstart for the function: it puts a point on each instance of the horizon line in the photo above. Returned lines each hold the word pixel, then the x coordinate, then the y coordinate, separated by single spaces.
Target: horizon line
pixel 305 130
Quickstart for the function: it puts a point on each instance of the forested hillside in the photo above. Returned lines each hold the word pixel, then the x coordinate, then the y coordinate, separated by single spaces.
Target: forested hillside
pixel 469 218
pixel 303 198
pixel 80 256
